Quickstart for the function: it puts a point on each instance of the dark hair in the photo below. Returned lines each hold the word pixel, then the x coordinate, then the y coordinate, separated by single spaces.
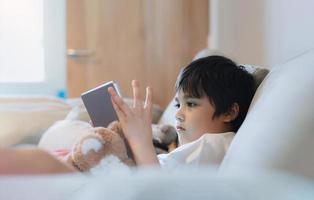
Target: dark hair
pixel 222 81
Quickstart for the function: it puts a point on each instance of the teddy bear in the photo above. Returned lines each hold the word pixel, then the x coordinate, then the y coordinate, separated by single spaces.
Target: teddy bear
pixel 165 138
pixel 108 146
pixel 91 148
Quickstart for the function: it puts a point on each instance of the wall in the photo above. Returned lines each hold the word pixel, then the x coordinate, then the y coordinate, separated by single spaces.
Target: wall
pixel 262 32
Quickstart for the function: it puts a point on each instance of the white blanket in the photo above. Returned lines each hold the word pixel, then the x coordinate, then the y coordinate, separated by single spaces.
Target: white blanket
pixel 188 183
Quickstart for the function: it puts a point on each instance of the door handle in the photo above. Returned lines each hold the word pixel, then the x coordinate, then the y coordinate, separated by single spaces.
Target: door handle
pixel 79 53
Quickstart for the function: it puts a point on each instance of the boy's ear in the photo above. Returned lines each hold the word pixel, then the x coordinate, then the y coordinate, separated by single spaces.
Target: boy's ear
pixel 232 113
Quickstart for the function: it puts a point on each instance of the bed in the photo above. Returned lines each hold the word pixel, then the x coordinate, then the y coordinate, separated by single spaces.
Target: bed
pixel 270 157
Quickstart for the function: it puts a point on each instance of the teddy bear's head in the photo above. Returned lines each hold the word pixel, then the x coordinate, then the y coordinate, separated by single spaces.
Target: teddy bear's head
pixel 165 138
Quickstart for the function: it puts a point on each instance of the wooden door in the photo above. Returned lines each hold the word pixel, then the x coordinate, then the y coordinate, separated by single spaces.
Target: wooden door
pixel 121 40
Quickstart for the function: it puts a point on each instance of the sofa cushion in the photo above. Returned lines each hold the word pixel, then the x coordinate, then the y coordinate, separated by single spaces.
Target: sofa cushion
pixel 278 132
pixel 28 116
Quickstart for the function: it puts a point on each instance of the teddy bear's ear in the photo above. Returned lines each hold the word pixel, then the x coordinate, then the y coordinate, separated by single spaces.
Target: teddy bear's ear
pixel 170 134
pixel 115 126
pixel 105 134
pixel 163 137
pixel 164 134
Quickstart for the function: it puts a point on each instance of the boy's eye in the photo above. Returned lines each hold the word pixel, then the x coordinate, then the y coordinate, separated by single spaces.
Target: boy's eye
pixel 191 104
pixel 177 105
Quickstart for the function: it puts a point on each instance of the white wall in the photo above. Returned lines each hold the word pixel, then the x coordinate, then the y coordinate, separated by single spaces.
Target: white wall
pixel 262 32
pixel 55 45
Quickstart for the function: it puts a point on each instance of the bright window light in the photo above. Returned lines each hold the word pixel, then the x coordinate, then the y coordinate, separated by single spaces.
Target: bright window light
pixel 21 41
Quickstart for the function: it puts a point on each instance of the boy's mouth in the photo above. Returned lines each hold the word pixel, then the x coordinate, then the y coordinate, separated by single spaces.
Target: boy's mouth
pixel 180 128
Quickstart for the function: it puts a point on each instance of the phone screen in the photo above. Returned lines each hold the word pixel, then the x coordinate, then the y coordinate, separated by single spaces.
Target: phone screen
pixel 98 104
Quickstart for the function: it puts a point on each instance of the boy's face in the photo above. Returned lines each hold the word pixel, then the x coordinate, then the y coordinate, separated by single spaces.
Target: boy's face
pixel 194 117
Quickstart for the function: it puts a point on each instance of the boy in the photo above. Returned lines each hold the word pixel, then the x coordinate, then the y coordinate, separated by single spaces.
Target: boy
pixel 212 98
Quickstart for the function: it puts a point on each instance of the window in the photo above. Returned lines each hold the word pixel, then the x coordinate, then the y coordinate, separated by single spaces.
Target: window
pixel 21 39
pixel 32 46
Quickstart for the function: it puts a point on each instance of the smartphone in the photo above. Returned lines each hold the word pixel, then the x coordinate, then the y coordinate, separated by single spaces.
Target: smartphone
pixel 99 106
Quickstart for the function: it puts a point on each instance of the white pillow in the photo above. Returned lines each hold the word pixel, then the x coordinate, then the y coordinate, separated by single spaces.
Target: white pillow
pixel 63 134
pixel 21 117
pixel 278 132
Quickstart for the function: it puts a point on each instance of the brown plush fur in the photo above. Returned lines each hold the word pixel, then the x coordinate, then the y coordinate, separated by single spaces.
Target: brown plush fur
pixel 111 144
pixel 111 141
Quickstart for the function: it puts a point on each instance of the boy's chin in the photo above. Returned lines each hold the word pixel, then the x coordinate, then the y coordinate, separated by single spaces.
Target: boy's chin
pixel 183 138
pixel 181 132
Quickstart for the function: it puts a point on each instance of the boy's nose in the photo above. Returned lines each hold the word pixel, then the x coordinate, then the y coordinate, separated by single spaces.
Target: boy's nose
pixel 179 116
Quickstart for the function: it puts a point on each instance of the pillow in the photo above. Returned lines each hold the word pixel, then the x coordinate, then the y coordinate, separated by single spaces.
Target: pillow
pixel 24 116
pixel 278 130
pixel 63 134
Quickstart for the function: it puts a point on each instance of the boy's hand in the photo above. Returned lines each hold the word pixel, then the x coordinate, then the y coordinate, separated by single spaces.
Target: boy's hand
pixel 136 123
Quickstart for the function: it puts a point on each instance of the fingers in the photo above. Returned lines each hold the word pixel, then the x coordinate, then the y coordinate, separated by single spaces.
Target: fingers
pixel 121 115
pixel 149 98
pixel 148 106
pixel 121 108
pixel 137 96
pixel 139 107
